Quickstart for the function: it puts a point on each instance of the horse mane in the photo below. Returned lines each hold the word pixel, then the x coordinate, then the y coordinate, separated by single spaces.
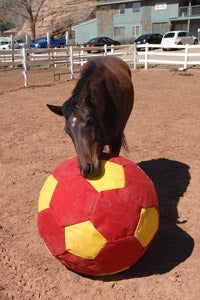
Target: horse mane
pixel 74 100
pixel 85 75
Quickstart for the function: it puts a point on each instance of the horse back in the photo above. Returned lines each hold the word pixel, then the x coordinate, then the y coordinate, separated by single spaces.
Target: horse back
pixel 111 90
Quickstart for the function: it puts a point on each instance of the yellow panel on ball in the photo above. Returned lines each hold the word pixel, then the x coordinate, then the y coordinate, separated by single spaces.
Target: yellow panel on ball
pixel 46 193
pixel 147 225
pixel 111 177
pixel 84 240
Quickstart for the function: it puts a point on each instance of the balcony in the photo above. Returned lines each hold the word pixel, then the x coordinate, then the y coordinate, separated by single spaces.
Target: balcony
pixel 186 11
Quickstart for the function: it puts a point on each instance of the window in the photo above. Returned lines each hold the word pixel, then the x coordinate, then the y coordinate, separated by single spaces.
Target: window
pixel 182 34
pixel 169 35
pixel 135 30
pixel 94 40
pixel 136 7
pixel 4 42
pixel 106 40
pixel 188 34
pixel 122 9
pixel 119 31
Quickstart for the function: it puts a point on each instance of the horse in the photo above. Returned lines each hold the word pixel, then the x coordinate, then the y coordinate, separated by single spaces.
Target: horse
pixel 97 111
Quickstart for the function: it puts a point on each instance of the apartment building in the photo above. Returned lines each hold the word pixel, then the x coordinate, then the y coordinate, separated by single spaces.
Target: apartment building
pixel 126 20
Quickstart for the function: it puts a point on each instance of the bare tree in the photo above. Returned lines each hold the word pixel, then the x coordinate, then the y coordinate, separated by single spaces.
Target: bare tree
pixel 27 9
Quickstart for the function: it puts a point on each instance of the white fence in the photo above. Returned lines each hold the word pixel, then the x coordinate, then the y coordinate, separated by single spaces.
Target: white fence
pixel 73 56
pixel 182 55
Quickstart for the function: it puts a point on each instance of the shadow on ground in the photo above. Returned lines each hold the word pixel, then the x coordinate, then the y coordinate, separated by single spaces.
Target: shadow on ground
pixel 172 245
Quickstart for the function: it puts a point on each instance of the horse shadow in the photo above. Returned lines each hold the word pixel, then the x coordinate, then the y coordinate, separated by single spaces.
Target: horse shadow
pixel 172 245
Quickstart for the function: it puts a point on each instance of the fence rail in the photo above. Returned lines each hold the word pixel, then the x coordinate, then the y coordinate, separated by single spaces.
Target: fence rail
pixel 72 56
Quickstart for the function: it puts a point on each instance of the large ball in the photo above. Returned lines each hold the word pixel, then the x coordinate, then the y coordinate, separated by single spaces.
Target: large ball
pixel 99 226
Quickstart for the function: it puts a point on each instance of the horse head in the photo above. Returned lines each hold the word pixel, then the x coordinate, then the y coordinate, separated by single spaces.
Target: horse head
pixel 83 128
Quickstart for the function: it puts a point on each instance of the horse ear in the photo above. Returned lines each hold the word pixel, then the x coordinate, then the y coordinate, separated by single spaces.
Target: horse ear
pixel 58 110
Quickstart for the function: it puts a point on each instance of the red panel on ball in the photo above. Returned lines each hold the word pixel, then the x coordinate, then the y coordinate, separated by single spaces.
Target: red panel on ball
pixel 51 232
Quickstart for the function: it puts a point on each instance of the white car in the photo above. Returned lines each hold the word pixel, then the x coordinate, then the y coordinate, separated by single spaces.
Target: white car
pixel 21 43
pixel 6 45
pixel 174 38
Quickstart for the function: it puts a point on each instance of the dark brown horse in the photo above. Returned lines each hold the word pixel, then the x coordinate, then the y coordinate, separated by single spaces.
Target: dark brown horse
pixel 97 112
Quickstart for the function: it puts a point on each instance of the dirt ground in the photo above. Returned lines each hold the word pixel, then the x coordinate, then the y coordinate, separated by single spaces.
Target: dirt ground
pixel 163 135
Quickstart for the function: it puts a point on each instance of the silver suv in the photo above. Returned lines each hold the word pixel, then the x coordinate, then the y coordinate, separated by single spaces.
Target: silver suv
pixel 174 38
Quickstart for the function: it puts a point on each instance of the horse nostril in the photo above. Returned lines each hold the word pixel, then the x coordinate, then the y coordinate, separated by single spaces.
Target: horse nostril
pixel 88 170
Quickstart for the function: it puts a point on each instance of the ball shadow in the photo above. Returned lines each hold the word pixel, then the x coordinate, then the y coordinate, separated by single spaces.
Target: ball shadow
pixel 172 245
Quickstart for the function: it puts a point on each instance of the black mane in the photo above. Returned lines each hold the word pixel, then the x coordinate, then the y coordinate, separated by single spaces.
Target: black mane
pixel 84 78
pixel 74 100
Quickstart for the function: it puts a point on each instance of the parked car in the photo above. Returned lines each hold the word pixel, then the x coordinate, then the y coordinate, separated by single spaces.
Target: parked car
pixel 101 41
pixel 21 43
pixel 6 45
pixel 174 38
pixel 42 43
pixel 150 38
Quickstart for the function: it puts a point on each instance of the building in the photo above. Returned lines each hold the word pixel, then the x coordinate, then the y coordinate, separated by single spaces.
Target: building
pixel 12 31
pixel 124 20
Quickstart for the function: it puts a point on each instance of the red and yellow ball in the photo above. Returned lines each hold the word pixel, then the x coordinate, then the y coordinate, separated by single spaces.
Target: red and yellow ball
pixel 100 226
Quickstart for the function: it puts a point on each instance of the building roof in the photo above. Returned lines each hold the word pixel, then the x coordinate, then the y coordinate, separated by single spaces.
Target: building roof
pixel 84 23
pixel 11 31
pixel 107 2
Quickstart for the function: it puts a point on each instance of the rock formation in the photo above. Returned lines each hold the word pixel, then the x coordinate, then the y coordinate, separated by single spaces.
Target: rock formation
pixel 57 17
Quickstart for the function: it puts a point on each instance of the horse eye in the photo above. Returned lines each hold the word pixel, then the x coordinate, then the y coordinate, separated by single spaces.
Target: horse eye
pixel 90 123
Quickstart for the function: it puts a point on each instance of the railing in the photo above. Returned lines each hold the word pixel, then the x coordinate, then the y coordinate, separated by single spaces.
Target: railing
pixel 186 11
pixel 183 11
pixel 187 56
pixel 195 10
pixel 72 58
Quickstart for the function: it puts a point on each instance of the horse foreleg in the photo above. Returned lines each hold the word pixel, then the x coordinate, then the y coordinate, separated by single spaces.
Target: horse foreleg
pixel 116 145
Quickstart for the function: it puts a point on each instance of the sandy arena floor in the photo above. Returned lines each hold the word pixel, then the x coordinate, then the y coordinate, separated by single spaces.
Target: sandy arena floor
pixel 163 134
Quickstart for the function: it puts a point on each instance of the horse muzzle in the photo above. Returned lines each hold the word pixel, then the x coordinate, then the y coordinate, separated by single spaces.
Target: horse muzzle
pixel 89 163
pixel 87 171
pixel 91 168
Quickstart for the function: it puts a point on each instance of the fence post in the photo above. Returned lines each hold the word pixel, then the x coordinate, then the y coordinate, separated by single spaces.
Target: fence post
pixel 105 50
pixel 27 40
pixel 186 56
pixel 25 71
pixel 66 38
pixel 48 40
pixel 12 47
pixel 54 55
pixel 71 62
pixel 146 56
pixel 49 46
pixel 82 54
pixel 135 56
pixel 112 49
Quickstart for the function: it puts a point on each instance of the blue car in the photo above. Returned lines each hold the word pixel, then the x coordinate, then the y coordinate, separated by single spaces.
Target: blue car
pixel 42 43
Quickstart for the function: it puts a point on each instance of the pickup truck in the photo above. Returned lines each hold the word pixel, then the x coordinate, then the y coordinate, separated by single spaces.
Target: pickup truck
pixel 42 43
